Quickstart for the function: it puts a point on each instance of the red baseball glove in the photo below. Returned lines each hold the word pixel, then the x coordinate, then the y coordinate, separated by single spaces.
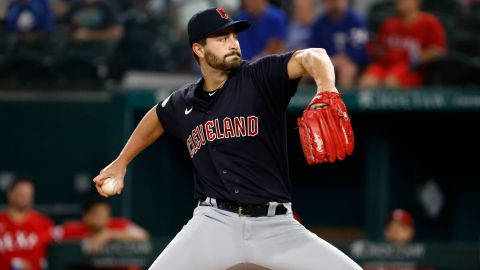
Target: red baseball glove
pixel 325 130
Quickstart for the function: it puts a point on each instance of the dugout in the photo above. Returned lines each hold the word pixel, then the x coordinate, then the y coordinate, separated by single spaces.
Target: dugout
pixel 404 140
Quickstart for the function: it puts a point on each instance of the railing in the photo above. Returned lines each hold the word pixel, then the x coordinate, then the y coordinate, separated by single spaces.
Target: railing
pixel 371 255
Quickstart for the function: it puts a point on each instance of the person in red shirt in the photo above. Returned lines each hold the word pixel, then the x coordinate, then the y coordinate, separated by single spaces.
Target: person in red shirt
pixel 98 228
pixel 399 231
pixel 404 41
pixel 24 233
pixel 400 227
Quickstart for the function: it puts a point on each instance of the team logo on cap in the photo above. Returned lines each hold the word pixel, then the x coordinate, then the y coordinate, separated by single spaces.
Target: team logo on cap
pixel 223 14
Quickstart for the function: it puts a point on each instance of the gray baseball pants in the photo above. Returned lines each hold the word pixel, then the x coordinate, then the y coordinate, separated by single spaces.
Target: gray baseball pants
pixel 215 239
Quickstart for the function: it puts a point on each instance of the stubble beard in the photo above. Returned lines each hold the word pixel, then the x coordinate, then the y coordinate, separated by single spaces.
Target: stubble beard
pixel 229 62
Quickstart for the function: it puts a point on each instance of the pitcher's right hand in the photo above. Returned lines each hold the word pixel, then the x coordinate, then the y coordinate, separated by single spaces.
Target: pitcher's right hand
pixel 115 170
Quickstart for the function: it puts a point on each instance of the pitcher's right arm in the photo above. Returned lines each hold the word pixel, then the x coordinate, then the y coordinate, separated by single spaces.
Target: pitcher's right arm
pixel 147 131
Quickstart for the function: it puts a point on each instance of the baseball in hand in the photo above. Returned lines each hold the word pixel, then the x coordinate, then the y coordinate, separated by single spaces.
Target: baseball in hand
pixel 109 186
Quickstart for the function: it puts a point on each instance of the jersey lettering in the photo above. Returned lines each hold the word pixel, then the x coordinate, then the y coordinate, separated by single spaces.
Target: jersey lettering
pixel 196 141
pixel 210 134
pixel 191 147
pixel 202 136
pixel 228 127
pixel 252 126
pixel 239 123
pixel 19 240
pixel 216 130
pixel 398 42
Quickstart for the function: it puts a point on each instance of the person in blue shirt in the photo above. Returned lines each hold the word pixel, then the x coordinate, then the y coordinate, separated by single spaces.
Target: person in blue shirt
pixel 29 19
pixel 268 31
pixel 300 28
pixel 343 34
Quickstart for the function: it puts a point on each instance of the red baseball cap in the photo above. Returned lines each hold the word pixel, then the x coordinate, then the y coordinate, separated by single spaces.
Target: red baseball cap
pixel 401 216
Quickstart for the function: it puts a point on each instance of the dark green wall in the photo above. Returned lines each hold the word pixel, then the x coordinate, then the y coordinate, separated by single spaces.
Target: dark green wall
pixel 401 142
pixel 54 141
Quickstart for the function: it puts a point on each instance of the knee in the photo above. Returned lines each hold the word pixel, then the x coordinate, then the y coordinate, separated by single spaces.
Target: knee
pixel 391 82
pixel 368 82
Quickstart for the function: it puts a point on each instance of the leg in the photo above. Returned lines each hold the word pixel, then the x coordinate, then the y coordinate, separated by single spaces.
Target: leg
pixel 372 77
pixel 284 244
pixel 400 76
pixel 391 82
pixel 210 240
pixel 346 70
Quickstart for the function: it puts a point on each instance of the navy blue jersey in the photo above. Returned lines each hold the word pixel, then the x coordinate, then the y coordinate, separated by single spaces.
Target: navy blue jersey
pixel 236 136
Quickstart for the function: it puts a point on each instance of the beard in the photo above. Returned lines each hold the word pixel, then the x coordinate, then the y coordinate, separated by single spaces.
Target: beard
pixel 224 63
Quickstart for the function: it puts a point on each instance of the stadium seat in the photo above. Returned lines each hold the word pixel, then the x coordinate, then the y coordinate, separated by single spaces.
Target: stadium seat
pixel 455 69
pixel 451 7
pixel 29 63
pixel 150 43
pixel 83 63
pixel 4 47
pixel 471 20
pixel 135 50
pixel 3 52
pixel 466 42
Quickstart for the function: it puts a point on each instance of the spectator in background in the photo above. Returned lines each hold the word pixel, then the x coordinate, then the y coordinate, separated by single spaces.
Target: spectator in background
pixel 99 228
pixel 466 4
pixel 61 7
pixel 400 227
pixel 300 29
pixel 24 233
pixel 93 20
pixel 29 20
pixel 3 10
pixel 343 34
pixel 268 32
pixel 405 41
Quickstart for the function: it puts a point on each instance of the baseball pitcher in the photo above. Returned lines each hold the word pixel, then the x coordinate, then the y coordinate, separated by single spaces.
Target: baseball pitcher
pixel 233 123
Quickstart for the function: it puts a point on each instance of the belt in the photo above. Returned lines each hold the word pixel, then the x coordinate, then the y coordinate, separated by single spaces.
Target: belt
pixel 250 210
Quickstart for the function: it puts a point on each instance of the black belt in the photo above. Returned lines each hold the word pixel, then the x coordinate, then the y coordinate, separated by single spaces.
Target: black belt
pixel 251 210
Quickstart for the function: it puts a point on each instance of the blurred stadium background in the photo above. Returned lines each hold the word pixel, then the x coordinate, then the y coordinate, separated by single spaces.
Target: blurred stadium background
pixel 66 110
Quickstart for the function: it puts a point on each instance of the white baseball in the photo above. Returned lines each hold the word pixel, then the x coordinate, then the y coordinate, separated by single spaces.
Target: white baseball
pixel 109 186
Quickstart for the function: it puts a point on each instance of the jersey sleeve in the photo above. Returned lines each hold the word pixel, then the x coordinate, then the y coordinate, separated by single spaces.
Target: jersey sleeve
pixel 46 226
pixel 46 222
pixel 126 226
pixel 119 223
pixel 74 230
pixel 436 37
pixel 270 75
pixel 166 115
